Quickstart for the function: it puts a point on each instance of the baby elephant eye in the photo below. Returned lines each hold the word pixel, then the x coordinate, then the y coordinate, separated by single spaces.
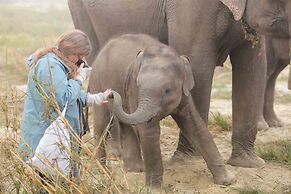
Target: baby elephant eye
pixel 168 91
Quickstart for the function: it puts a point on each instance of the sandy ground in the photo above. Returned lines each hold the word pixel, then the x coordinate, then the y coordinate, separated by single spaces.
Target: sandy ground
pixel 193 176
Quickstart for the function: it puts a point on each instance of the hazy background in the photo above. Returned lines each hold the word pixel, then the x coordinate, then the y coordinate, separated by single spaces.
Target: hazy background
pixel 26 25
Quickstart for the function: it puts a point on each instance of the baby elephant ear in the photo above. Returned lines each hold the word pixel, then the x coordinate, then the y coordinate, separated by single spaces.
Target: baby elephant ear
pixel 137 64
pixel 188 82
pixel 237 7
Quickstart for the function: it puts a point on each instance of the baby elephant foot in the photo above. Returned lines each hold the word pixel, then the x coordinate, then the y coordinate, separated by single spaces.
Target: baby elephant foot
pixel 245 159
pixel 225 179
pixel 221 176
pixel 133 165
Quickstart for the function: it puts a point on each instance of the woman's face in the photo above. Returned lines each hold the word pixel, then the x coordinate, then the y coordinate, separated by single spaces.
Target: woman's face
pixel 73 58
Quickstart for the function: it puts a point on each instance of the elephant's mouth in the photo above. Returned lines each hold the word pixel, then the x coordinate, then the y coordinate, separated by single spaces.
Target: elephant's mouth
pixel 150 120
pixel 154 118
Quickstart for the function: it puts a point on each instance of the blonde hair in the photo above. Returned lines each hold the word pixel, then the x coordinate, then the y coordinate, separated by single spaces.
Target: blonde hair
pixel 74 42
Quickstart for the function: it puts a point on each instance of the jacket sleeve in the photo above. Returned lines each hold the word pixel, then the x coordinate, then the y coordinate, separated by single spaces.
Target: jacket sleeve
pixel 53 79
pixel 83 98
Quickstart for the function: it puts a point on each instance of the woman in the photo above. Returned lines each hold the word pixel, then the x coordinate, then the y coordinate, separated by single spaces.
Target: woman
pixel 54 80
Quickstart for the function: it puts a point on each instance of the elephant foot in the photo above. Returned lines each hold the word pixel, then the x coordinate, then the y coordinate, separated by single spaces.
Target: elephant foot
pixel 245 159
pixel 274 122
pixel 262 125
pixel 131 165
pixel 224 179
pixel 154 182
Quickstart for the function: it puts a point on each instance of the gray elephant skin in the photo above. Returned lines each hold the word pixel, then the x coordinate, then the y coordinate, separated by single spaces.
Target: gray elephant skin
pixel 154 82
pixel 277 59
pixel 207 31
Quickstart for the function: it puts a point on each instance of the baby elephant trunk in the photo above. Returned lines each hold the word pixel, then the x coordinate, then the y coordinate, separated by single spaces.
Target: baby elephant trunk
pixel 144 112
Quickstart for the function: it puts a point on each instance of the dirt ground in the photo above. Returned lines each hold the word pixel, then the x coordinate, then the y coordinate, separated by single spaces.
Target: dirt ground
pixel 193 176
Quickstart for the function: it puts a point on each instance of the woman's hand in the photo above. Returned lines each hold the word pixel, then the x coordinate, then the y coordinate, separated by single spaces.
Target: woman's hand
pixel 99 98
pixel 106 93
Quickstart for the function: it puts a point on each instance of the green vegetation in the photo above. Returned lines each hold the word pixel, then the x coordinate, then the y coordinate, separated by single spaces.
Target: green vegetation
pixel 279 152
pixel 221 86
pixel 168 122
pixel 216 119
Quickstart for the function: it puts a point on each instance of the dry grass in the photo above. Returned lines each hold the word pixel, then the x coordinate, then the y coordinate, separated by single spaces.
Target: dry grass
pixel 23 30
pixel 278 152
pixel 222 122
pixel 18 177
pixel 168 122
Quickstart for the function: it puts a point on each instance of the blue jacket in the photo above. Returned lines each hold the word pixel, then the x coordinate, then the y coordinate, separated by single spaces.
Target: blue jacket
pixel 49 71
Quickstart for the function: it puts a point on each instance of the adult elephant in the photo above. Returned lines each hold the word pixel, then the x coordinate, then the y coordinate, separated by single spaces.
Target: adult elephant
pixel 207 32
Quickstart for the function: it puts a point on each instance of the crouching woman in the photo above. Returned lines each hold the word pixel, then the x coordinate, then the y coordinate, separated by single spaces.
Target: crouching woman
pixel 55 79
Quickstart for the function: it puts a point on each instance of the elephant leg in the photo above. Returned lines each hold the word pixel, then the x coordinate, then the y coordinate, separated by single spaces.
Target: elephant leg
pixel 82 21
pixel 196 132
pixel 101 118
pixel 113 139
pixel 201 96
pixel 249 71
pixel 195 39
pixel 269 113
pixel 131 154
pixel 262 123
pixel 150 142
pixel 184 149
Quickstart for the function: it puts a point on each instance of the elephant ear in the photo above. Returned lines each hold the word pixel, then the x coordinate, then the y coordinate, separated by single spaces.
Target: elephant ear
pixel 237 7
pixel 137 64
pixel 188 82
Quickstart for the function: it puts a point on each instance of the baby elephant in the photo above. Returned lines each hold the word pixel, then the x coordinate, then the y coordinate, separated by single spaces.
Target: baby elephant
pixel 154 82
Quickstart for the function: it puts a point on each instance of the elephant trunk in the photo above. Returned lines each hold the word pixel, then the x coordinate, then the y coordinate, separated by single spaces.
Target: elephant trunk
pixel 144 112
